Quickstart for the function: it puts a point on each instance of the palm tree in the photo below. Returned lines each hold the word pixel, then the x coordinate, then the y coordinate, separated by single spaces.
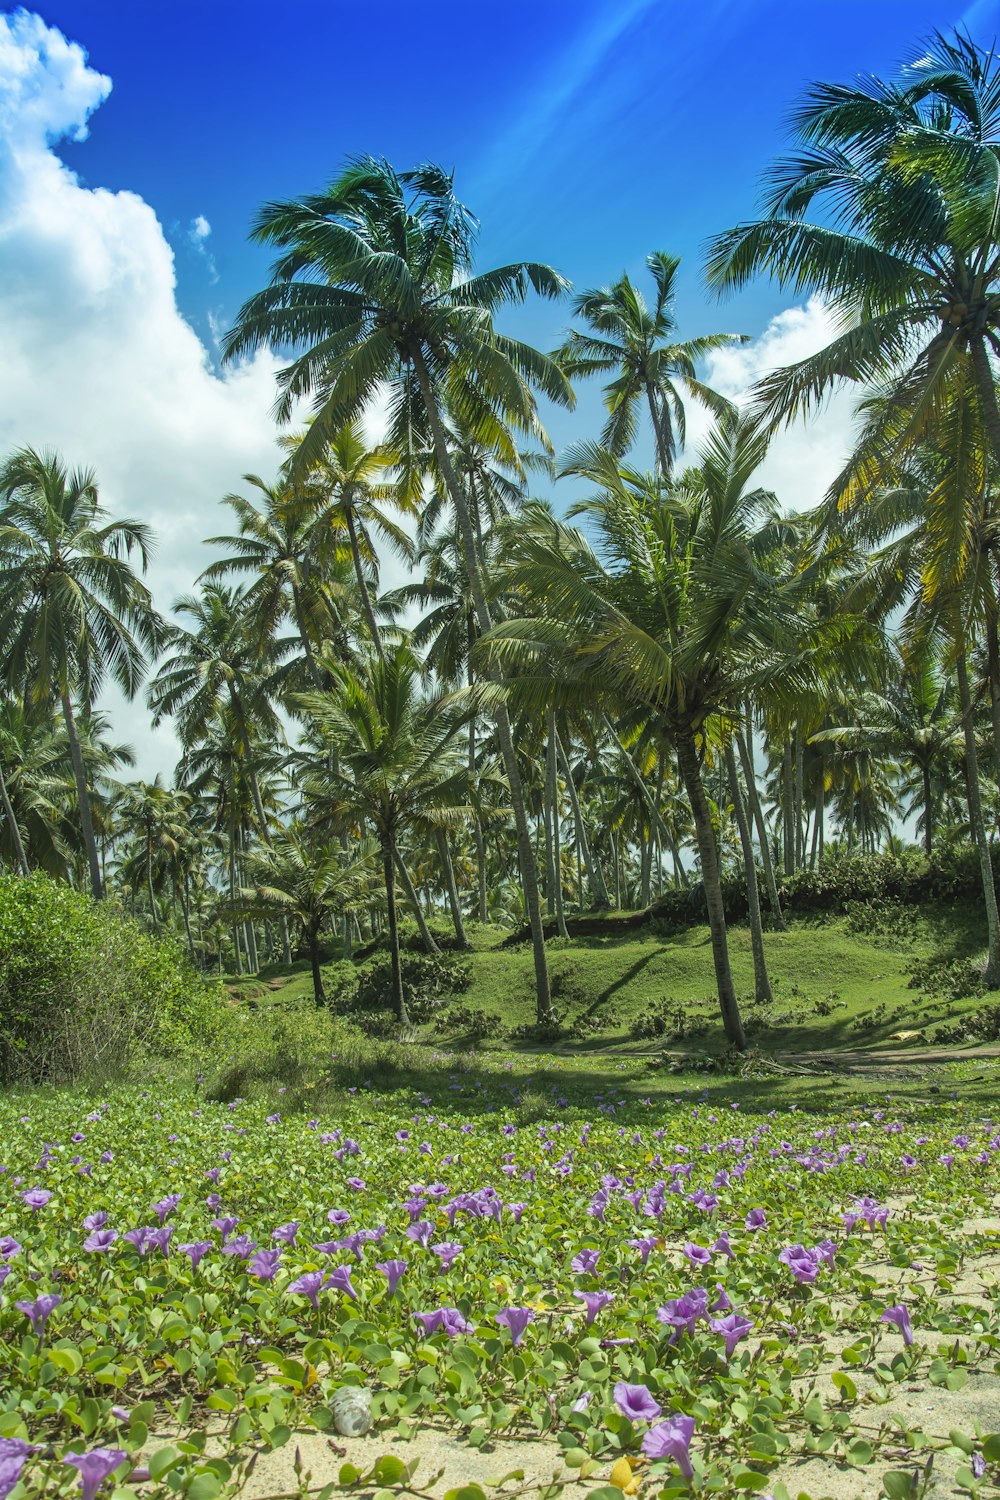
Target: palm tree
pixel 398 762
pixel 156 816
pixel 72 610
pixel 638 344
pixel 307 881
pixel 374 286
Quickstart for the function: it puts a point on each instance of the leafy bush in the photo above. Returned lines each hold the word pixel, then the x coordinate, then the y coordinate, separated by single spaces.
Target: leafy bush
pixel 481 1025
pixel 668 1019
pixel 85 990
pixel 954 979
pixel 429 980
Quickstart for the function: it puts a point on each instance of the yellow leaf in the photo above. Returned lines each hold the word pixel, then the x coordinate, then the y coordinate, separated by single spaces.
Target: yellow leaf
pixel 621 1474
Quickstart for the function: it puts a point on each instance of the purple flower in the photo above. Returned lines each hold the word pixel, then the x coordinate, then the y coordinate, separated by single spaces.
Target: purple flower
pixel 166 1206
pixel 338 1216
pixel 196 1251
pixel 225 1225
pixel 36 1198
pixel 636 1403
pixel 309 1285
pixel 595 1302
pixel 159 1239
pixel 733 1327
pixel 100 1240
pixel 340 1278
pixel 14 1454
pixel 802 1263
pixel 95 1221
pixel 392 1270
pixel 264 1264
pixel 516 1319
pixel 139 1238
pixel 978 1465
pixel 447 1252
pixel 899 1315
pixel 585 1262
pixel 286 1232
pixel 447 1319
pixel 8 1246
pixel 698 1255
pixel 723 1247
pixel 722 1303
pixel 756 1219
pixel 39 1311
pixel 421 1231
pixel 645 1246
pixel 684 1312
pixel 95 1467
pixel 242 1246
pixel 671 1439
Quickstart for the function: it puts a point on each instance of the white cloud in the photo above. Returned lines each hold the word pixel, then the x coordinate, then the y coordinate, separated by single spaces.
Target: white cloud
pixel 198 232
pixel 97 360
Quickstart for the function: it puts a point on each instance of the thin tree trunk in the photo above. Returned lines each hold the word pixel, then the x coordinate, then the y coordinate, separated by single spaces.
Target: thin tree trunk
pixel 312 941
pixel 763 839
pixel 149 886
pixel 986 383
pixel 452 888
pixel 186 913
pixel 595 875
pixel 662 456
pixel 801 829
pixel 426 936
pixel 993 666
pixel 15 832
pixel 234 896
pixel 690 769
pixel 83 798
pixel 762 982
pixel 991 974
pixel 300 621
pixel 787 796
pixel 390 860
pixel 925 778
pixel 553 780
pixel 529 877
pixel 359 573
pixel 618 871
pixel 477 827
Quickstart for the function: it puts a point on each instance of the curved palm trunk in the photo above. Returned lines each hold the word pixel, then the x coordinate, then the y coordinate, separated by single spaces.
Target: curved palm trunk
pixel 312 943
pixel 687 757
pixel 149 886
pixel 477 827
pixel 529 876
pixel 426 936
pixel 763 839
pixel 15 832
pixel 991 973
pixel 762 981
pixel 595 875
pixel 359 573
pixel 552 779
pixel 451 885
pixel 662 451
pixel 83 798
pixel 307 647
pixel 390 860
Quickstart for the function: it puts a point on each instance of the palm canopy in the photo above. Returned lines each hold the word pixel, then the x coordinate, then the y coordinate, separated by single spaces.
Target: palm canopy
pixel 638 344
pixel 373 289
pixel 899 181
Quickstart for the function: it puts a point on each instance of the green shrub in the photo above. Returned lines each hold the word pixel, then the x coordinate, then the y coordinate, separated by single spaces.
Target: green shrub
pixel 429 981
pixel 86 991
pixel 481 1025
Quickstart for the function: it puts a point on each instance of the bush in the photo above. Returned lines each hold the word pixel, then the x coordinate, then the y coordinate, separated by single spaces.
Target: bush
pixel 429 981
pixel 85 990
pixel 480 1025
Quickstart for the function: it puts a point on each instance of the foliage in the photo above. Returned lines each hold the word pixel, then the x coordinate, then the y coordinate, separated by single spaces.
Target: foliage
pixel 85 991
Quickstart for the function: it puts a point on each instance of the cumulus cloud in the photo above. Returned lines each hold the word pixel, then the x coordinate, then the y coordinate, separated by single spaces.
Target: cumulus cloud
pixel 198 232
pixel 97 360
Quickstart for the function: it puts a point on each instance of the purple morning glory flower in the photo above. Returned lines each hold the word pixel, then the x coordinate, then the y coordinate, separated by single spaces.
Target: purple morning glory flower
pixel 242 1246
pixel 447 1252
pixel 139 1238
pixel 684 1312
pixel 636 1402
pixel 309 1285
pixel 722 1303
pixel 14 1454
pixel 95 1467
pixel 159 1239
pixel 225 1225
pixel 338 1216
pixel 393 1271
pixel 36 1198
pixel 645 1246
pixel 286 1232
pixel 264 1264
pixel 698 1255
pixel 898 1315
pixel 196 1251
pixel 421 1231
pixel 100 1240
pixel 8 1246
pixel 802 1263
pixel 585 1262
pixel 448 1319
pixel 723 1247
pixel 39 1311
pixel 671 1439
pixel 166 1206
pixel 516 1319
pixel 95 1221
pixel 733 1327
pixel 756 1219
pixel 595 1302
pixel 340 1278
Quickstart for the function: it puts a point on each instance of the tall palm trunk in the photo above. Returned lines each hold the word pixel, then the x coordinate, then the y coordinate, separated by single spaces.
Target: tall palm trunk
pixel 149 884
pixel 83 798
pixel 529 875
pixel 687 756
pixel 762 982
pixel 553 800
pixel 426 936
pixel 662 455
pixel 787 797
pixel 595 875
pixel 182 887
pixel 991 974
pixel 359 573
pixel 448 866
pixel 312 943
pixel 389 863
pixel 15 832
pixel 477 826
pixel 763 838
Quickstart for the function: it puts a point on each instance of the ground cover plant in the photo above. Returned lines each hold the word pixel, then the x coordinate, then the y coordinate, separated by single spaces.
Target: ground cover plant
pixel 690 1297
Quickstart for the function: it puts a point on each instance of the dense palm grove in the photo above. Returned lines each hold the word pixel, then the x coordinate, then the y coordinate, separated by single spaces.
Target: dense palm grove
pixel 680 676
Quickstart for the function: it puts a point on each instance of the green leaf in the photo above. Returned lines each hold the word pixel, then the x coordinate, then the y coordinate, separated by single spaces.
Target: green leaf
pixel 162 1461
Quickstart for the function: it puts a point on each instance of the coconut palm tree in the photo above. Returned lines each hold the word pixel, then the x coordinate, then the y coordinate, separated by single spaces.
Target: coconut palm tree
pixel 72 610
pixel 638 345
pixel 374 289
pixel 398 762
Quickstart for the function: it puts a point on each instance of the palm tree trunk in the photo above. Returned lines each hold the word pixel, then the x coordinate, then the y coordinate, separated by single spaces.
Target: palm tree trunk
pixel 300 622
pixel 15 832
pixel 763 838
pixel 762 982
pixel 991 974
pixel 925 779
pixel 595 875
pixel 391 861
pixel 186 913
pixel 477 827
pixel 359 573
pixel 149 885
pixel 553 786
pixel 426 936
pixel 233 896
pixel 618 870
pixel 993 665
pixel 312 942
pixel 986 385
pixel 662 455
pixel 451 886
pixel 787 795
pixel 687 757
pixel 529 876
pixel 83 798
